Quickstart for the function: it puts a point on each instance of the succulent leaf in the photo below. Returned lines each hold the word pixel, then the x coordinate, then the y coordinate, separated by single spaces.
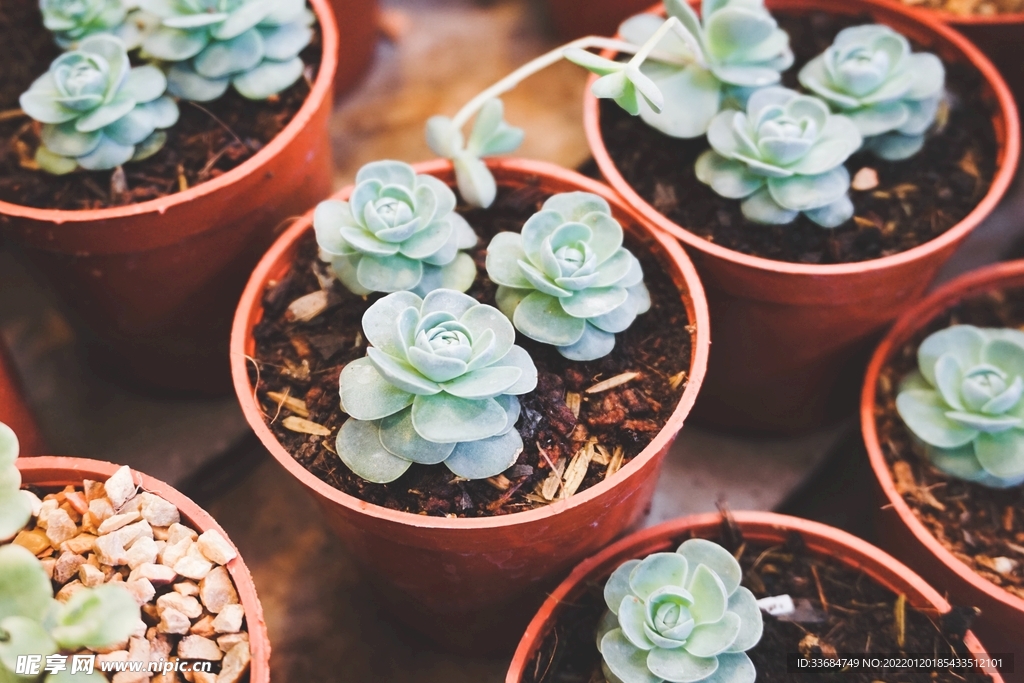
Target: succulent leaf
pixel 72 20
pixel 15 505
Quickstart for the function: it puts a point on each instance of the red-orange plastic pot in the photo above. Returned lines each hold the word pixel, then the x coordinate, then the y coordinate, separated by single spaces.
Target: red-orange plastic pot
pixel 788 336
pixel 576 18
pixel 54 472
pixel 155 283
pixel 1001 625
pixel 357 40
pixel 14 409
pixel 757 527
pixel 471 584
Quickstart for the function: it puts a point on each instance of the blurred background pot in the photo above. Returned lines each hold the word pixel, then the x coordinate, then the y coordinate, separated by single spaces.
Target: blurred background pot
pixel 576 18
pixel 472 584
pixel 357 40
pixel 14 409
pixel 790 338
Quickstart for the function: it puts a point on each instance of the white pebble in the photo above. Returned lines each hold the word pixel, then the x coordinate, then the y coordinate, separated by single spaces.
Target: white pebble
pixel 158 511
pixel 120 487
pixel 229 620
pixel 216 548
pixel 60 527
pixel 197 647
pixel 193 565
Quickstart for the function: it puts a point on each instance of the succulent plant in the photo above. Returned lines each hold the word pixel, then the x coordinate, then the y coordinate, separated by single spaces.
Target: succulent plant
pixel 622 82
pixel 567 280
pixel 438 384
pixel 97 111
pixel 72 20
pixel 490 136
pixel 679 616
pixel 253 45
pixel 33 623
pixel 964 403
pixel 397 232
pixel 891 95
pixel 783 156
pixel 15 505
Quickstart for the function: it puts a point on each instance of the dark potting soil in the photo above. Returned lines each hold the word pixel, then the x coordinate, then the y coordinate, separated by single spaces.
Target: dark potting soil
pixel 915 200
pixel 976 523
pixel 209 139
pixel 850 613
pixel 304 360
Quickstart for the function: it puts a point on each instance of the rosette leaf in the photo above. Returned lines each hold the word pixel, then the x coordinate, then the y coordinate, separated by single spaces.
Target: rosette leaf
pixel 252 45
pixel 567 280
pixel 397 232
pixel 439 384
pixel 15 504
pixel 783 156
pixel 679 616
pixel 964 405
pixel 72 20
pixel 892 95
pixel 97 111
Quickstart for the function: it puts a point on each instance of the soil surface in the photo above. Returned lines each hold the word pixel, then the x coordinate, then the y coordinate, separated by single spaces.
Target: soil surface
pixel 209 139
pixel 914 201
pixel 976 523
pixel 840 610
pixel 611 427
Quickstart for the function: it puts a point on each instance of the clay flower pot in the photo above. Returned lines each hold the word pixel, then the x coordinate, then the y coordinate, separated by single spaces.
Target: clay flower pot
pixel 14 409
pixel 1001 624
pixel 154 283
pixel 55 472
pixel 787 334
pixel 356 21
pixel 471 584
pixel 763 527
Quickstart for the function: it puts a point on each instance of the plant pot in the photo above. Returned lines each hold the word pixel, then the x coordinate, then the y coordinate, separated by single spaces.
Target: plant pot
pixel 357 41
pixel 57 472
pixel 154 283
pixel 1001 624
pixel 765 527
pixel 788 336
pixel 471 584
pixel 576 18
pixel 14 409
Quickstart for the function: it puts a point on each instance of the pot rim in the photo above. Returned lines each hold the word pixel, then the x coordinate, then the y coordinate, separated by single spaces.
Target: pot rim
pixel 1007 158
pixel 965 286
pixel 53 470
pixel 821 539
pixel 252 297
pixel 986 20
pixel 320 91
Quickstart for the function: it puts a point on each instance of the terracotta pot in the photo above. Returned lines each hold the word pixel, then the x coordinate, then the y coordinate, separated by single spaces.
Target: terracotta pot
pixel 155 283
pixel 14 408
pixel 576 18
pixel 57 472
pixel 357 40
pixel 471 584
pixel 760 527
pixel 1001 624
pixel 788 336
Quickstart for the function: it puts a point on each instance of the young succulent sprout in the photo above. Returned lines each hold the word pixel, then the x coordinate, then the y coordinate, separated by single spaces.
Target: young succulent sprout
pixel 891 95
pixel 97 111
pixel 490 136
pixel 964 403
pixel 397 232
pixel 33 623
pixel 252 45
pixel 72 20
pixel 439 384
pixel 15 504
pixel 783 156
pixel 738 48
pixel 567 280
pixel 679 616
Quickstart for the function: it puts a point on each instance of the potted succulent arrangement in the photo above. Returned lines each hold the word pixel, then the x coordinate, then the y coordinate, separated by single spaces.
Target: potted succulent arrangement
pixel 130 142
pixel 508 376
pixel 107 570
pixel 818 160
pixel 738 598
pixel 947 460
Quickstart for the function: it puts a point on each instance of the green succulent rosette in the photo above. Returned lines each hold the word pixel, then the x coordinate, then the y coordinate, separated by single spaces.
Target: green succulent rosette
pixel 398 231
pixel 97 111
pixel 251 45
pixel 891 94
pixel 567 280
pixel 438 385
pixel 783 156
pixel 681 617
pixel 72 20
pixel 15 505
pixel 964 403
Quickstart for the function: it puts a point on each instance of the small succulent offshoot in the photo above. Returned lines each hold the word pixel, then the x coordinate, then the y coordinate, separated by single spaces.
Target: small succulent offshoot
pixel 892 95
pixel 72 20
pixel 567 280
pixel 964 403
pixel 439 384
pixel 97 111
pixel 397 232
pixel 15 504
pixel 679 616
